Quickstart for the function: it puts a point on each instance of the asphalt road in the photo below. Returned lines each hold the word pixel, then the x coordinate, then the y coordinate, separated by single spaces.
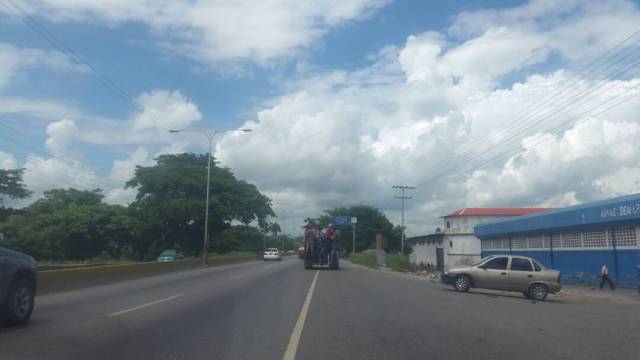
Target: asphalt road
pixel 274 310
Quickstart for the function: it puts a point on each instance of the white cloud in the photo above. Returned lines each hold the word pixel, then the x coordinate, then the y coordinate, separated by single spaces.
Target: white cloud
pixel 340 138
pixel 219 31
pixel 61 134
pixel 7 161
pixel 162 110
pixel 14 59
pixel 43 174
pixel 40 108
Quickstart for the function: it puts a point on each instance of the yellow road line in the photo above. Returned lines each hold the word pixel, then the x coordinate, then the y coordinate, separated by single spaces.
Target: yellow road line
pixel 294 340
pixel 145 305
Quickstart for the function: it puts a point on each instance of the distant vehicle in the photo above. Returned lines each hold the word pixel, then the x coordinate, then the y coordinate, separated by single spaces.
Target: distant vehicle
pixel 170 255
pixel 507 273
pixel 301 252
pixel 18 274
pixel 323 253
pixel 272 254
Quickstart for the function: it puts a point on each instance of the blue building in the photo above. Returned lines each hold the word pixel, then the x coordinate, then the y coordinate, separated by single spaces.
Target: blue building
pixel 576 240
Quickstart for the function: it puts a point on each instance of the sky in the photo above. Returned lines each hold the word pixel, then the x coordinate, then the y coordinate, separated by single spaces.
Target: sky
pixel 475 103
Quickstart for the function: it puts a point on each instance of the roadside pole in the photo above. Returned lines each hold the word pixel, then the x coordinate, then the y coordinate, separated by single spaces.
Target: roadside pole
pixel 403 198
pixel 354 221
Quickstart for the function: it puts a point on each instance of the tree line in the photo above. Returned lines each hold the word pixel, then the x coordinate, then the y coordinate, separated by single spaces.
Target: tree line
pixel 167 213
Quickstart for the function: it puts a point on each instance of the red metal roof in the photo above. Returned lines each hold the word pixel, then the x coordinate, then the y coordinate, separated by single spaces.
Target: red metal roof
pixel 496 211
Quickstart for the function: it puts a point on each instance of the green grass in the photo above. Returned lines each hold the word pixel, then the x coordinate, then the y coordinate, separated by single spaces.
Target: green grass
pixel 400 263
pixel 363 259
pixel 395 262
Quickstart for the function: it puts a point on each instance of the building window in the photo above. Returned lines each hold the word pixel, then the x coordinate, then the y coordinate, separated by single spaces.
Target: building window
pixel 594 239
pixel 571 239
pixel 625 236
pixel 450 243
pixel 536 242
pixel 448 225
pixel 556 241
pixel 519 242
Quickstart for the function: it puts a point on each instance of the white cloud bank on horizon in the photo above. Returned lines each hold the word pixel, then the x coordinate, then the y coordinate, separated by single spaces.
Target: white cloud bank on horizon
pixel 338 138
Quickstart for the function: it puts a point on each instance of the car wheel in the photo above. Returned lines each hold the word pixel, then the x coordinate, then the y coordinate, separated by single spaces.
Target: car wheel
pixel 462 283
pixel 538 292
pixel 19 301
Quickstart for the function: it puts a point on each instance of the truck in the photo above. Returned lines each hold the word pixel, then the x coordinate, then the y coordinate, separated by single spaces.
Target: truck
pixel 18 283
pixel 322 253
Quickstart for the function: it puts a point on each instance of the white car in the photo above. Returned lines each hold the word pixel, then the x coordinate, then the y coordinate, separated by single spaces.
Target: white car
pixel 272 254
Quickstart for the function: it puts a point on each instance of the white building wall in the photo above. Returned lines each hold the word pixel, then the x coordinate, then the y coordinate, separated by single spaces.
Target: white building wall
pixel 460 246
pixel 425 253
pixel 465 224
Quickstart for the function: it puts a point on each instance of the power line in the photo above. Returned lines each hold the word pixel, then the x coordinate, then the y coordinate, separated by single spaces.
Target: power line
pixel 554 93
pixel 542 139
pixel 39 29
pixel 549 113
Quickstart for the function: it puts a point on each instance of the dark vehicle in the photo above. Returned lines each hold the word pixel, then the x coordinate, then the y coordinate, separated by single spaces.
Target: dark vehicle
pixel 170 255
pixel 322 253
pixel 17 286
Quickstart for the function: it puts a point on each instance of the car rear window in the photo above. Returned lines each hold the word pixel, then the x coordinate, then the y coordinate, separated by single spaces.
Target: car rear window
pixel 521 264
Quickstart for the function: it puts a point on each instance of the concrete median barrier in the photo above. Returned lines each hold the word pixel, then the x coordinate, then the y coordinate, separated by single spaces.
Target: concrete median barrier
pixel 53 281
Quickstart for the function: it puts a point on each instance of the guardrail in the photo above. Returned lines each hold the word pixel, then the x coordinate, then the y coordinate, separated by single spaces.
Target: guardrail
pixel 53 281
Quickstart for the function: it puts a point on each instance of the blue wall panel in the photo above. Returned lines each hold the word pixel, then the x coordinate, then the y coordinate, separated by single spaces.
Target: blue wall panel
pixel 628 261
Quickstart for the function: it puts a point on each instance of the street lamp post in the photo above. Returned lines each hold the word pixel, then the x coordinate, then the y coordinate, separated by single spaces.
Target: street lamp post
pixel 210 135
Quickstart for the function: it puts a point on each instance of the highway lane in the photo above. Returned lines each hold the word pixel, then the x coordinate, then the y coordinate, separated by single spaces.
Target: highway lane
pixel 361 313
pixel 251 310
pixel 240 311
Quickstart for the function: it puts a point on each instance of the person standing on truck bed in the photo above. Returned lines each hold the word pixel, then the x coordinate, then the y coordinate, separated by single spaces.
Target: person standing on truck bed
pixel 310 238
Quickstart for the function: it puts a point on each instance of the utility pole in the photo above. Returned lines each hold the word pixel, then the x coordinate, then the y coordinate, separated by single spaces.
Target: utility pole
pixel 354 221
pixel 403 197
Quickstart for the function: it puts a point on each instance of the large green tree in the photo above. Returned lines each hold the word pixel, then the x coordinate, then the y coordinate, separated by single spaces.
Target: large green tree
pixel 11 184
pixel 171 200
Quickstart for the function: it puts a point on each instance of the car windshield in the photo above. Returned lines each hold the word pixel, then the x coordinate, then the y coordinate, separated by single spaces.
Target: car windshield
pixel 408 158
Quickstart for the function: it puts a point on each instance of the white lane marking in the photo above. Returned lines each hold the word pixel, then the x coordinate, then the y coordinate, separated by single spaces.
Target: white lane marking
pixel 268 267
pixel 237 276
pixel 292 348
pixel 145 305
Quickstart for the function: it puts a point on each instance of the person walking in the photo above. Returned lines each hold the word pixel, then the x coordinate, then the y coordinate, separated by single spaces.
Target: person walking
pixel 604 274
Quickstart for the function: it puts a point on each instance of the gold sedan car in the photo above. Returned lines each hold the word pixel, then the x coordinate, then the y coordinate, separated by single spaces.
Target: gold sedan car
pixel 506 273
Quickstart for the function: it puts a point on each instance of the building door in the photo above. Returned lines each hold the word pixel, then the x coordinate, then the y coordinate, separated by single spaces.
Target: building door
pixel 440 259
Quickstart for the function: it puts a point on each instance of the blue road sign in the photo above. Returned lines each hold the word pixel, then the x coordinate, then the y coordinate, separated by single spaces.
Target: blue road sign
pixel 341 220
